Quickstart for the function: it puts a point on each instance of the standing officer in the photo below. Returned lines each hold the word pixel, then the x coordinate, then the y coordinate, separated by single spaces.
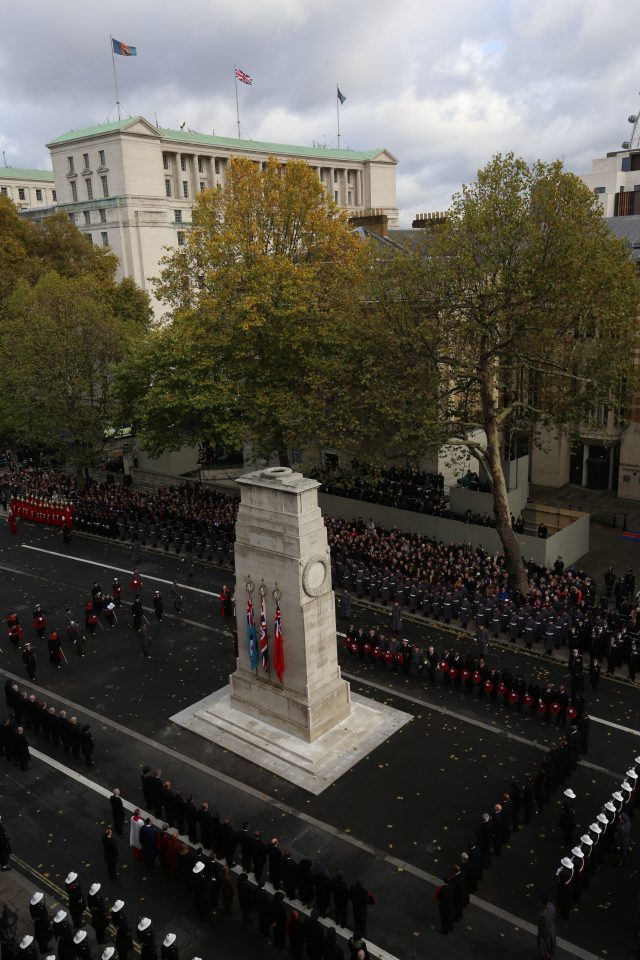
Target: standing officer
pixel 41 921
pixel 29 659
pixel 158 605
pixel 76 898
pixel 176 597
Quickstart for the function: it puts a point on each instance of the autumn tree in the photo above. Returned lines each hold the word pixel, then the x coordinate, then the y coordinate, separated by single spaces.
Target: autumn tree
pixel 258 301
pixel 519 311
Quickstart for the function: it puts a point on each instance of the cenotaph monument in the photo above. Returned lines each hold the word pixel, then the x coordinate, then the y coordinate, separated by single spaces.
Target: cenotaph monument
pixel 287 707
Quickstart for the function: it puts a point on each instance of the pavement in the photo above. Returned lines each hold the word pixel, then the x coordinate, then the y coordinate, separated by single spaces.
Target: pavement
pixel 398 820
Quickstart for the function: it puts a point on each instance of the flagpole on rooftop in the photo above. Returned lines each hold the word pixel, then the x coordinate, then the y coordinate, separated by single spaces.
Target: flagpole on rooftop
pixel 235 76
pixel 338 112
pixel 115 77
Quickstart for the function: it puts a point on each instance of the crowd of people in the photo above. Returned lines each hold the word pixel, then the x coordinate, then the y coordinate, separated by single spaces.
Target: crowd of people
pixel 28 713
pixel 609 832
pixel 522 800
pixel 416 490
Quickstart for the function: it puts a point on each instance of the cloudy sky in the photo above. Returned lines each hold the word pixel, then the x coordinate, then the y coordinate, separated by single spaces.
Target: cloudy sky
pixel 443 85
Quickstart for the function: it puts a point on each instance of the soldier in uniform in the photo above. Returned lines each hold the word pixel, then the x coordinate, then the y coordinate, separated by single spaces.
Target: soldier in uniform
pixel 63 935
pixel 563 892
pixel 28 949
pixel 81 946
pixel 41 921
pixel 98 909
pixel 76 898
pixel 29 659
pixel 158 605
pixel 147 940
pixel 169 948
pixel 176 597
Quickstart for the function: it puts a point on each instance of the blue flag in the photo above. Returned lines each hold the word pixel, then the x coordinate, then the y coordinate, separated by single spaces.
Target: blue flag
pixel 123 49
pixel 251 634
pixel 341 96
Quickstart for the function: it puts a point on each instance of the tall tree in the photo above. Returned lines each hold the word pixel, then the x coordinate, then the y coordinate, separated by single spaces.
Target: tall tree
pixel 519 311
pixel 258 298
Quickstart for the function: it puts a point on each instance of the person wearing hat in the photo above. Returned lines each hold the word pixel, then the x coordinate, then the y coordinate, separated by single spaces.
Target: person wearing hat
pixel 124 940
pixel 567 821
pixel 82 946
pixel 28 949
pixel 108 953
pixel 99 918
pixel 42 931
pixel 158 605
pixel 587 848
pixel 64 935
pixel 201 886
pixel 169 948
pixel 484 838
pixel 595 832
pixel 563 891
pixel 146 936
pixel 76 898
pixel 117 811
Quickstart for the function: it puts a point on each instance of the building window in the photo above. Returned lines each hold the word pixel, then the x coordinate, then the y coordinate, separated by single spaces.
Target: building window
pixel 200 165
pixel 89 238
pixel 3 191
pixel 335 195
pixel 203 186
pixel 350 197
pixel 216 164
pixel 177 216
pixel 103 215
pixel 183 163
pixel 38 194
pixel 89 186
pixel 72 217
pixel 105 238
pixel 167 188
pixel 165 161
pixel 103 162
pixel 74 191
pixel 599 190
pixel 185 188
pixel 71 167
pixel 335 176
pixel 54 195
pixel 87 218
pixel 105 187
pixel 85 157
pixel 181 238
pixel 21 193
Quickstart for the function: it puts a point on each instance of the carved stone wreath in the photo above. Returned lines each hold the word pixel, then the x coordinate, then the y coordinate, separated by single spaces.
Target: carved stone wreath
pixel 314 575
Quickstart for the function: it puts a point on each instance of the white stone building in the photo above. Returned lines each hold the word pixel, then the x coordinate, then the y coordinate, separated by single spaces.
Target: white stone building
pixel 130 185
pixel 29 189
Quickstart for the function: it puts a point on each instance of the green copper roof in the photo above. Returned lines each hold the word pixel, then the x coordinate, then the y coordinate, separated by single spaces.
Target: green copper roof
pixel 93 131
pixel 20 173
pixel 184 136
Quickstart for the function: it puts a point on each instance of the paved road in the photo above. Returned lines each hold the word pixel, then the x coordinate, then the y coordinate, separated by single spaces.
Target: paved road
pixel 398 820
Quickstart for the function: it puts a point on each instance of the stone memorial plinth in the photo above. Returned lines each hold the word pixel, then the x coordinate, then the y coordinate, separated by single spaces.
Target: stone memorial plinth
pixel 305 726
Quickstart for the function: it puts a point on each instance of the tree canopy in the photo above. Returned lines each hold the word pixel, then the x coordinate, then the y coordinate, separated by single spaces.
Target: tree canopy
pixel 65 323
pixel 520 309
pixel 259 301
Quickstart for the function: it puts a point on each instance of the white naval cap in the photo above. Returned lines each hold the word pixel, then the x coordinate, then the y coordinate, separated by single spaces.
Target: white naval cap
pixel 578 852
pixel 118 905
pixel 26 942
pixel 569 793
pixel 108 953
pixel 610 807
pixel 585 838
pixel 80 936
pixel 60 916
pixel 565 862
pixel 626 786
pixel 199 867
pixel 618 796
pixel 144 924
pixel 71 877
pixel 94 888
pixel 50 956
pixel 637 760
pixel 631 773
pixel 169 940
pixel 37 897
pixel 595 828
pixel 603 820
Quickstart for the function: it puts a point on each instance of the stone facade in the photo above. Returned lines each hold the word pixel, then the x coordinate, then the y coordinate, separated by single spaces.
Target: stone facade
pixel 29 189
pixel 281 541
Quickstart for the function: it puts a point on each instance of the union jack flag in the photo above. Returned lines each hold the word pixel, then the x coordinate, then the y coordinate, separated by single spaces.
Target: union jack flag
pixel 264 646
pixel 251 634
pixel 243 77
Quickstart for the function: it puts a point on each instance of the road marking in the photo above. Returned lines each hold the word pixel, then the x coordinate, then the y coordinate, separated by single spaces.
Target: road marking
pixel 256 794
pixel 103 792
pixel 616 726
pixel 108 566
pixel 499 731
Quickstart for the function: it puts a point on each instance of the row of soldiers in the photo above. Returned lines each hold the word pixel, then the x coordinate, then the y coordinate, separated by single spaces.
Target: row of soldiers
pixel 57 727
pixel 311 884
pixel 515 808
pixel 610 828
